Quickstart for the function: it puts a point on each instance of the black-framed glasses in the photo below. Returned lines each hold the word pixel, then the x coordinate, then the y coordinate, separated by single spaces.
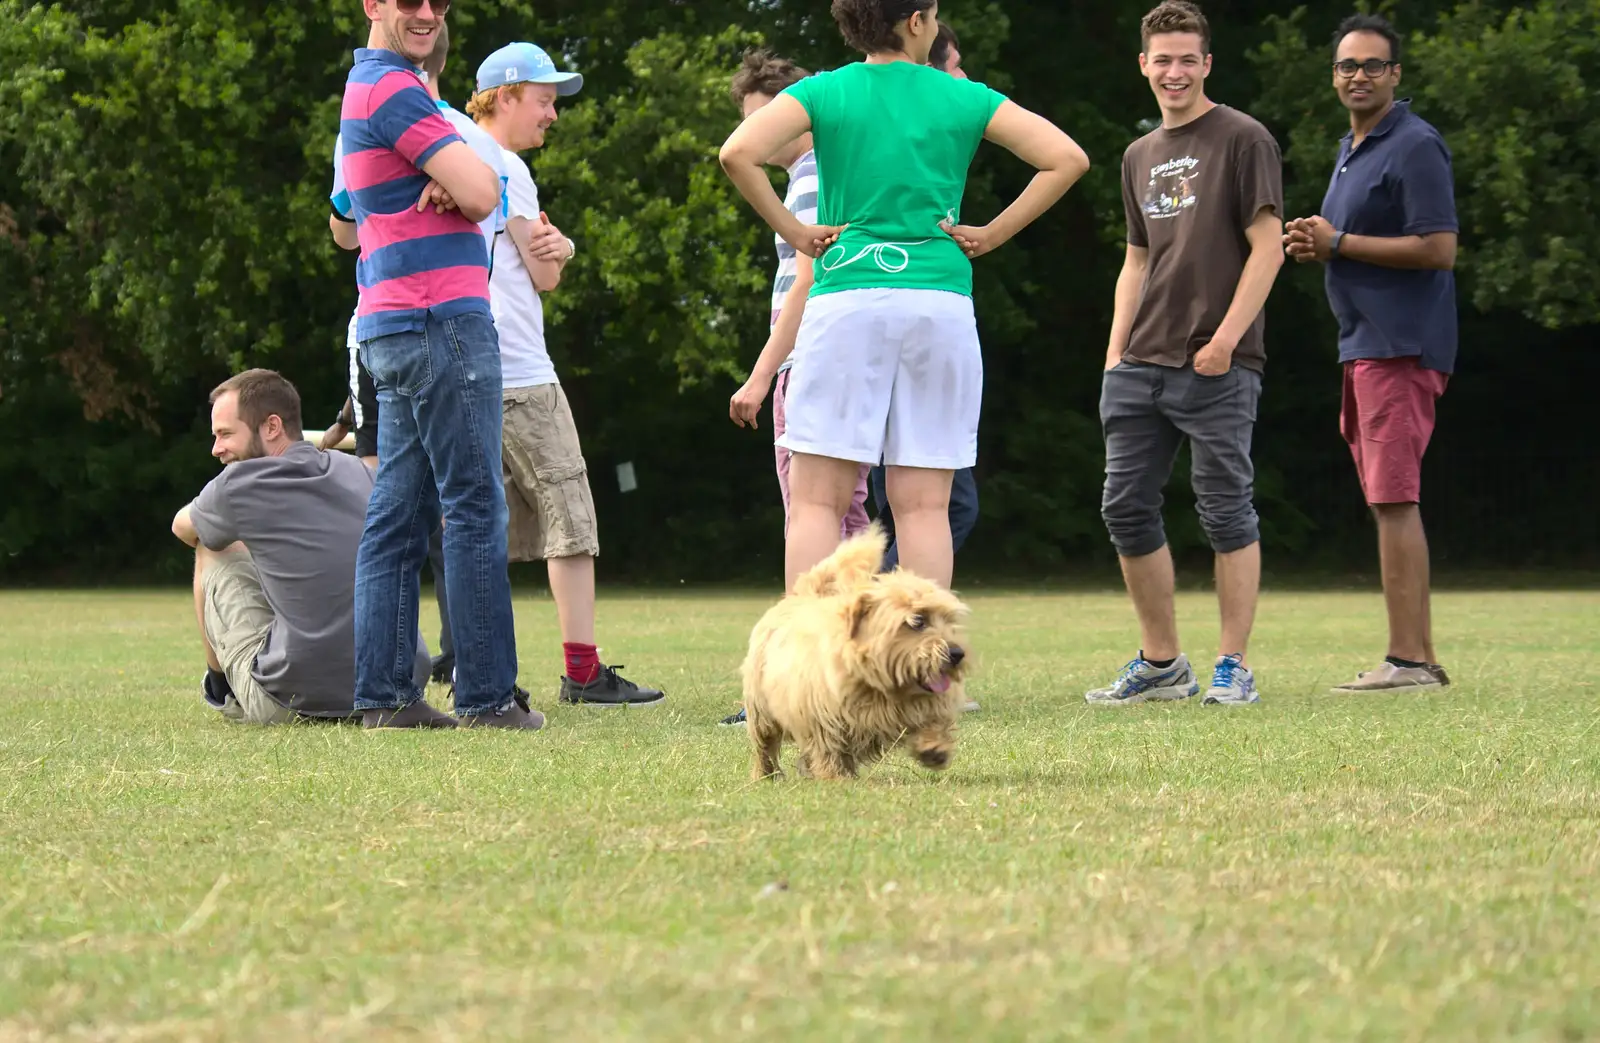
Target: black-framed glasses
pixel 1373 67
pixel 440 7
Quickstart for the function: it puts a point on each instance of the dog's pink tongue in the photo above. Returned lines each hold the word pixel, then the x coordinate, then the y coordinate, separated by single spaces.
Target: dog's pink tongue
pixel 939 685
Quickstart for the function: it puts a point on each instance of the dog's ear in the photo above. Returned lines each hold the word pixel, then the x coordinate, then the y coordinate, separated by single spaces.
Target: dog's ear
pixel 861 604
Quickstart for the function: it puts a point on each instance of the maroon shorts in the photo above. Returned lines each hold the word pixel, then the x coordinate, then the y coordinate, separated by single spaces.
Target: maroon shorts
pixel 1387 417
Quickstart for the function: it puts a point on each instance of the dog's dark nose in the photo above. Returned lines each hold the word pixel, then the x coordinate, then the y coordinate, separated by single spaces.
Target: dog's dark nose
pixel 955 654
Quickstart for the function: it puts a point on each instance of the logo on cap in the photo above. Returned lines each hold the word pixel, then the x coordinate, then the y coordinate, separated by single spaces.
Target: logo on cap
pixel 511 74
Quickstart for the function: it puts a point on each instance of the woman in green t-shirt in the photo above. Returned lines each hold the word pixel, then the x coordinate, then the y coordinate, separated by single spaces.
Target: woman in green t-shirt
pixel 887 364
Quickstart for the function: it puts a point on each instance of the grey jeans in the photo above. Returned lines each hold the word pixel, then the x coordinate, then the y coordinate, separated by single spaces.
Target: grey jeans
pixel 1146 411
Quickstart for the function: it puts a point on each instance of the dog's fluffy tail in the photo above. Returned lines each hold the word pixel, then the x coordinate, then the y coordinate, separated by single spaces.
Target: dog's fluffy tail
pixel 855 562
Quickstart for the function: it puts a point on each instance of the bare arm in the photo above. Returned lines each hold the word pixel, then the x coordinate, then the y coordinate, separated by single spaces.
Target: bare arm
pixel 471 183
pixel 1255 282
pixel 745 406
pixel 545 274
pixel 184 529
pixel 1435 251
pixel 1311 239
pixel 1059 160
pixel 749 147
pixel 344 233
pixel 1130 285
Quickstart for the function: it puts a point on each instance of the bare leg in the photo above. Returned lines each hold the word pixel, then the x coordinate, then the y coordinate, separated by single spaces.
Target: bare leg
pixel 1403 556
pixel 920 499
pixel 1238 589
pixel 820 492
pixel 572 587
pixel 1151 584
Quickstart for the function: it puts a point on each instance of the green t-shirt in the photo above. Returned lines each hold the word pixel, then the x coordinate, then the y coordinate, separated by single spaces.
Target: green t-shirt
pixel 893 145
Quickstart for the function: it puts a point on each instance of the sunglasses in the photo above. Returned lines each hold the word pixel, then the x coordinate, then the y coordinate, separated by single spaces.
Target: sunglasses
pixel 440 7
pixel 1373 67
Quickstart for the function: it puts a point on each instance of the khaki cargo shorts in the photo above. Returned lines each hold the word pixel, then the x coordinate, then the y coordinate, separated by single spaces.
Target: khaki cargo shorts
pixel 546 479
pixel 238 620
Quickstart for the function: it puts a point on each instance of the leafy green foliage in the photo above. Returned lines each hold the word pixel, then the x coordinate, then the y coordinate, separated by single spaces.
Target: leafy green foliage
pixel 165 224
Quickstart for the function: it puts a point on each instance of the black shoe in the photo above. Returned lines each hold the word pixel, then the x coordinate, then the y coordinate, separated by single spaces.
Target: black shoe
pixel 416 715
pixel 608 689
pixel 215 689
pixel 734 720
pixel 443 669
pixel 519 715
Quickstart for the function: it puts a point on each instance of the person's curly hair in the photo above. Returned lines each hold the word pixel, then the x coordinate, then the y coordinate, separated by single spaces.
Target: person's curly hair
pixel 1176 16
pixel 763 72
pixel 868 25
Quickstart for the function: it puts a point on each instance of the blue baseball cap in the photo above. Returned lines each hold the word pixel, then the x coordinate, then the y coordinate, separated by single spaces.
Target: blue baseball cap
pixel 525 63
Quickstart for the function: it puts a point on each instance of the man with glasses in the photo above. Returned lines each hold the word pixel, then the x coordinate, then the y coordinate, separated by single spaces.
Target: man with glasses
pixel 428 339
pixel 1387 234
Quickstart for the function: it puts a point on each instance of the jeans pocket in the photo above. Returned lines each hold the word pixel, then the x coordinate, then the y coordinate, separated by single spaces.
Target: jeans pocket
pixel 399 362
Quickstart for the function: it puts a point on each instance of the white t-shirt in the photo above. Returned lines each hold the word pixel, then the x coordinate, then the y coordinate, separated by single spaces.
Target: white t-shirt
pixel 518 312
pixel 490 152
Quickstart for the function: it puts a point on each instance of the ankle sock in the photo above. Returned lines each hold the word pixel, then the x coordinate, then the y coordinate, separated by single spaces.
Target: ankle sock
pixel 583 662
pixel 1159 664
pixel 1404 664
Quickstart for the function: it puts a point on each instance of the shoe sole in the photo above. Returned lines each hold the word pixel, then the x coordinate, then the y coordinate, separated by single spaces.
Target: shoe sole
pixel 1391 688
pixel 613 706
pixel 1212 700
pixel 1154 695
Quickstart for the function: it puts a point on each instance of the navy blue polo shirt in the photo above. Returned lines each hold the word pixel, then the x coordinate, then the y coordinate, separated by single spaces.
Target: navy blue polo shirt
pixel 1398 183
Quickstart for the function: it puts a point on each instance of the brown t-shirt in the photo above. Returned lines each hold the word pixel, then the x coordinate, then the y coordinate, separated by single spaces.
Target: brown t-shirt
pixel 1189 194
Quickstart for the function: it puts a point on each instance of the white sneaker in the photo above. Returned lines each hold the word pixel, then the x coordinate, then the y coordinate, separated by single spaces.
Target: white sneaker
pixel 1232 684
pixel 1140 682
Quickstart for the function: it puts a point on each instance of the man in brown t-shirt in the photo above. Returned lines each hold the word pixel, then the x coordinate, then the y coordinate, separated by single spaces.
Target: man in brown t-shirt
pixel 1204 200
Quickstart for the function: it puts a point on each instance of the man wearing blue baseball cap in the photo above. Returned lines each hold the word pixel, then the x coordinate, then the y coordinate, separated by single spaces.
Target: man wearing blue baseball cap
pixel 546 479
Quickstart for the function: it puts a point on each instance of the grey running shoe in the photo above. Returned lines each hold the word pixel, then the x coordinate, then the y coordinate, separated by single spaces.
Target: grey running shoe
pixel 1232 684
pixel 1390 678
pixel 971 706
pixel 1140 682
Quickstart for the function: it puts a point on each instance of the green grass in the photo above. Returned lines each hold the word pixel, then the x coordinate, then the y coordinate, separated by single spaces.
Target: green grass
pixel 1317 868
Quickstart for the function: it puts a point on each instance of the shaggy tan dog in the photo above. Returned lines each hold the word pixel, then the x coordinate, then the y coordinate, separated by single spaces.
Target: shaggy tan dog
pixel 854 663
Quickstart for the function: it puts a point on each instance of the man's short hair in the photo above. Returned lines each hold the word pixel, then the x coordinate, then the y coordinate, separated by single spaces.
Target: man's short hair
pixel 263 393
pixel 1175 16
pixel 483 104
pixel 433 64
pixel 1368 23
pixel 940 53
pixel 763 72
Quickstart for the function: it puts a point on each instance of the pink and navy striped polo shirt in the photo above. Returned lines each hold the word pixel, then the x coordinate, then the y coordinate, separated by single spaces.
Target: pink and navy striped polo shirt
pixel 412 265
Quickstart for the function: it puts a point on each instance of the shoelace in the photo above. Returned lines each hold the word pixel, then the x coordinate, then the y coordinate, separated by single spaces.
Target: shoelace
pixel 610 674
pixel 1222 676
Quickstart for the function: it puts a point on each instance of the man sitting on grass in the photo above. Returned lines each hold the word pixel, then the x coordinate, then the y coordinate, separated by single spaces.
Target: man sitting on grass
pixel 275 537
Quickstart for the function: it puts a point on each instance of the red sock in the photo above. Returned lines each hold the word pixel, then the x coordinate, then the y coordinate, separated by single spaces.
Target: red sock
pixel 583 662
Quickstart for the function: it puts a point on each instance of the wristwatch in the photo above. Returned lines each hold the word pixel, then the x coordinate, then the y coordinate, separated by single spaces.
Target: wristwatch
pixel 572 248
pixel 1337 236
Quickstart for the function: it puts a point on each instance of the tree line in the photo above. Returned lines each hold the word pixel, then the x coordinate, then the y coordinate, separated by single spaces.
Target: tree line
pixel 164 224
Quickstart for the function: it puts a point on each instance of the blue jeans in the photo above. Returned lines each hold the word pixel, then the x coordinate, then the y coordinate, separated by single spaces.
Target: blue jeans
pixel 438 447
pixel 963 510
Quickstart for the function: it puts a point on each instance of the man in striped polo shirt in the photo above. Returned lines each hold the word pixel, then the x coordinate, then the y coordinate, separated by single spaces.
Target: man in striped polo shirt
pixel 428 339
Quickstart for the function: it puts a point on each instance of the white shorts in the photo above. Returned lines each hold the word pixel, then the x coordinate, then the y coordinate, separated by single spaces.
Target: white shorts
pixel 887 376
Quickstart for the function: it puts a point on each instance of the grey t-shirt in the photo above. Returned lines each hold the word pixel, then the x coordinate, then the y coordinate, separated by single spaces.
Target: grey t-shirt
pixel 300 515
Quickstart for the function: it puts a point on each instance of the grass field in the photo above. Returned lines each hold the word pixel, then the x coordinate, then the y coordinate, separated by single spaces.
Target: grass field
pixel 1316 868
